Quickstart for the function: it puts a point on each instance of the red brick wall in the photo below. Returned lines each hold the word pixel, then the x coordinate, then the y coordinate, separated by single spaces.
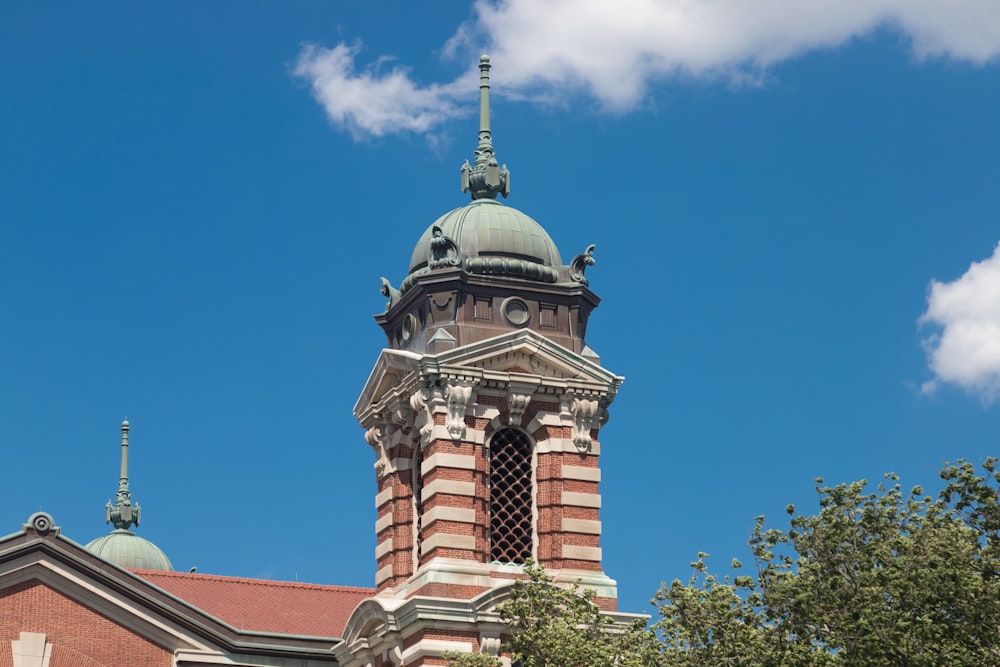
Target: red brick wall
pixel 80 637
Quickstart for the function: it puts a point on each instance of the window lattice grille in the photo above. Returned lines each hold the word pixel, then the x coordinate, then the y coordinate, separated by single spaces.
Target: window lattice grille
pixel 510 497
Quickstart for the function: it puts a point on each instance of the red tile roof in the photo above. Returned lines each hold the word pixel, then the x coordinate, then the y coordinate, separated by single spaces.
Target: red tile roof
pixel 283 607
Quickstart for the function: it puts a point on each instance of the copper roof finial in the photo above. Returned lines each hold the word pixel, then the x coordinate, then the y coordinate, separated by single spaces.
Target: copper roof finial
pixel 485 179
pixel 123 514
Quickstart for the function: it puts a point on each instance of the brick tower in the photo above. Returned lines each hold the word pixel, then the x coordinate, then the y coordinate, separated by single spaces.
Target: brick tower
pixel 483 412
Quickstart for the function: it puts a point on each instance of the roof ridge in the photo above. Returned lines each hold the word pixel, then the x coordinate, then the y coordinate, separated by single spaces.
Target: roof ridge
pixel 277 583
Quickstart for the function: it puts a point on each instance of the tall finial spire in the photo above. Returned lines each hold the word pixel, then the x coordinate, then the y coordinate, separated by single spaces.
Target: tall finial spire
pixel 486 179
pixel 123 514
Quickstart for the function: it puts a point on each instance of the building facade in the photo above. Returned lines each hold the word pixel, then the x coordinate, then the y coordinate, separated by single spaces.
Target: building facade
pixel 483 413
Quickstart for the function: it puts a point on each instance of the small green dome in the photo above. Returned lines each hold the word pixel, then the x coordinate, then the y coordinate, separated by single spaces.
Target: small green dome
pixel 126 549
pixel 488 229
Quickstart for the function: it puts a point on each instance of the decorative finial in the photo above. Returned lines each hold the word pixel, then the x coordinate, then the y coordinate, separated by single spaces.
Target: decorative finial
pixel 485 179
pixel 123 514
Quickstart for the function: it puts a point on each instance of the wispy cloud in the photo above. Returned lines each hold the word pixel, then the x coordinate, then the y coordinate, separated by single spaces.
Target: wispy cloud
pixel 614 52
pixel 966 349
pixel 376 100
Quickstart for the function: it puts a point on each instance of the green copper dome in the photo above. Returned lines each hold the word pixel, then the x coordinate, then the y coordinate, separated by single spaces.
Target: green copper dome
pixel 126 549
pixel 123 547
pixel 488 229
pixel 486 238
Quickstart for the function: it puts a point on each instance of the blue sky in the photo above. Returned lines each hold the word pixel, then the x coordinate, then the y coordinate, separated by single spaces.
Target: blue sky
pixel 795 210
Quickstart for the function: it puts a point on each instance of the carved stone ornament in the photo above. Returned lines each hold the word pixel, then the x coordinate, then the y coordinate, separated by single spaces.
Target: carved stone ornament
pixel 420 401
pixel 580 263
pixel 443 251
pixel 41 523
pixel 585 413
pixel 490 645
pixel 390 292
pixel 376 437
pixel 459 396
pixel 517 403
pixel 395 654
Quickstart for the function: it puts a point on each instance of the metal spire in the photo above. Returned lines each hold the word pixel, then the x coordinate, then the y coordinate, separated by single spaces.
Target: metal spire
pixel 123 514
pixel 486 180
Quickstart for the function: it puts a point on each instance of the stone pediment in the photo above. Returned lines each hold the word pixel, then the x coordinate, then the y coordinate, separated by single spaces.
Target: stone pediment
pixel 527 352
pixel 522 352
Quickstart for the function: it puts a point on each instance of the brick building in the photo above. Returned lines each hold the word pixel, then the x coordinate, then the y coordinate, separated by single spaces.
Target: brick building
pixel 483 413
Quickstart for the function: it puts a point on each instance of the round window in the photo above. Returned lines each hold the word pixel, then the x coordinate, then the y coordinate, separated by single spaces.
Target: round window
pixel 515 311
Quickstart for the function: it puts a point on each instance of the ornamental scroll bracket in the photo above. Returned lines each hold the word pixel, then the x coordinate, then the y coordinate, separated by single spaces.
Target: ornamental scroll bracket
pixel 390 292
pixel 518 397
pixel 421 402
pixel 377 437
pixel 580 263
pixel 459 395
pixel 517 403
pixel 490 644
pixel 585 413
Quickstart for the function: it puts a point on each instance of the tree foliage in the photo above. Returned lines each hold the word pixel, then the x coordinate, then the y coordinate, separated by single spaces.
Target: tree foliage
pixel 552 626
pixel 877 577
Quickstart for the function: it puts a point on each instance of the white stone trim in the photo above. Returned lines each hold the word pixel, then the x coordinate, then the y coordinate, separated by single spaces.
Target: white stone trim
pixel 585 526
pixel 546 419
pixel 443 460
pixel 383 574
pixel 457 514
pixel 456 571
pixel 31 650
pixel 600 583
pixel 383 523
pixel 441 432
pixel 581 553
pixel 385 546
pixel 382 497
pixel 401 462
pixel 449 486
pixel 581 473
pixel 448 541
pixel 557 445
pixel 581 499
pixel 490 412
pixel 434 648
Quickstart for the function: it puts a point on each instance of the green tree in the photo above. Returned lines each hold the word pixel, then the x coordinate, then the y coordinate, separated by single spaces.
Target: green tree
pixel 552 626
pixel 875 578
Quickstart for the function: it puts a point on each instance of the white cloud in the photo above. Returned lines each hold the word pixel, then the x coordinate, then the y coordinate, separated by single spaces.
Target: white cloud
pixel 966 351
pixel 614 51
pixel 372 102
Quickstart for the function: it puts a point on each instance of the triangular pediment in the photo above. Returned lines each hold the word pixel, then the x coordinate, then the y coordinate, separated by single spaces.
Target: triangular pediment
pixel 60 594
pixel 530 353
pixel 517 352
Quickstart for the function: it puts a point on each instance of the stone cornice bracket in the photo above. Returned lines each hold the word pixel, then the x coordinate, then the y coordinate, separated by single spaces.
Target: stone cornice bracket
pixel 489 643
pixel 585 413
pixel 460 397
pixel 402 415
pixel 377 436
pixel 395 654
pixel 420 402
pixel 518 397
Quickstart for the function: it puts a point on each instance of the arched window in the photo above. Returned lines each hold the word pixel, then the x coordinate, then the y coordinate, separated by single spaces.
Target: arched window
pixel 510 497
